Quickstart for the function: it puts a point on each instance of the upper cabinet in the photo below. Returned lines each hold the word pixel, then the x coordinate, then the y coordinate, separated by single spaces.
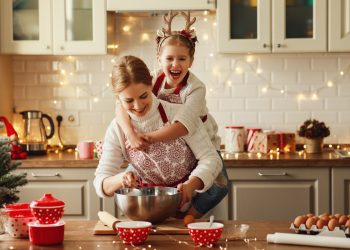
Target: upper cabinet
pixel 262 26
pixel 339 25
pixel 60 27
pixel 149 5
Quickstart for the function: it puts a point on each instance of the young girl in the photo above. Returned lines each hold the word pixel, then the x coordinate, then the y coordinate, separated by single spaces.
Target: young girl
pixel 190 163
pixel 175 83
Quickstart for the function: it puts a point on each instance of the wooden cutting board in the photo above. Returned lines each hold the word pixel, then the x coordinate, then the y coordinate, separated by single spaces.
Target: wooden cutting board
pixel 167 227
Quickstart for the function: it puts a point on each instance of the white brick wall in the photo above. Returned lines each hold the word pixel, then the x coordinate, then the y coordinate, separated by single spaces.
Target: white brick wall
pixel 38 84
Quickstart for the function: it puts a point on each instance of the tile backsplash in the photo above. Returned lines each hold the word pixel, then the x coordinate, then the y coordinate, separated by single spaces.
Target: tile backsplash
pixel 270 91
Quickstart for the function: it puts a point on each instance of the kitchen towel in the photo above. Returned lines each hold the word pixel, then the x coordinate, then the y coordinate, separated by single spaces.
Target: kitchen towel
pixel 308 240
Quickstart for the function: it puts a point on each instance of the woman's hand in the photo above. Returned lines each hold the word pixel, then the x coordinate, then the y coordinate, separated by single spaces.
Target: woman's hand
pixel 130 180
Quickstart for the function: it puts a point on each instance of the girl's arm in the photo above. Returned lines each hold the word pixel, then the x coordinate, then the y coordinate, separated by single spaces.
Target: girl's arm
pixel 135 140
pixel 186 119
pixel 169 132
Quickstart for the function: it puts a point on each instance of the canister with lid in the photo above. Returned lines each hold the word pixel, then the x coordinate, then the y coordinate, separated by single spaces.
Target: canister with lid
pixel 234 139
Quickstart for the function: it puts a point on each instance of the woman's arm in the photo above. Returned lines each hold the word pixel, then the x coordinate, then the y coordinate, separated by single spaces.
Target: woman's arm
pixel 109 165
pixel 135 140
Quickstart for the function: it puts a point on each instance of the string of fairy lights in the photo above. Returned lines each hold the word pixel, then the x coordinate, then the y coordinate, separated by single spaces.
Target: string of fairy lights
pixel 242 64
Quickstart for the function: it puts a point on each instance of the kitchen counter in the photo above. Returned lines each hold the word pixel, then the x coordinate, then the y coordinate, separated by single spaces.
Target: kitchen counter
pixel 248 160
pixel 79 235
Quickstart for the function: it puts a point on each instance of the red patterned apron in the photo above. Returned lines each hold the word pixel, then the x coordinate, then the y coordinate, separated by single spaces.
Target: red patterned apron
pixel 163 163
pixel 171 97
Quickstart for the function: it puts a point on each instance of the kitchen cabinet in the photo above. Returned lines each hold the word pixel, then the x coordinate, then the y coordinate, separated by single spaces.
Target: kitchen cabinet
pixel 149 5
pixel 340 190
pixel 277 193
pixel 64 27
pixel 338 25
pixel 264 26
pixel 74 186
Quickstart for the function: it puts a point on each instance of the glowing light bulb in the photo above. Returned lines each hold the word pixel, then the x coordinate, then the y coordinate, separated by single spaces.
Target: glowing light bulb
pixel 63 72
pixel 205 13
pixel 214 24
pixel 259 71
pixel 301 97
pixel 282 91
pixel 341 73
pixel 205 19
pixel 239 70
pixel 126 28
pixel 145 37
pixel 314 96
pixel 264 89
pixel 211 54
pixel 205 37
pixel 330 84
pixel 249 58
pixel 110 74
pixel 96 99
pixel 229 83
pixel 113 60
pixel 107 84
pixel 54 101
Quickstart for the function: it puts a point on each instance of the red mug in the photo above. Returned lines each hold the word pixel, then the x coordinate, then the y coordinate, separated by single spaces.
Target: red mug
pixel 86 149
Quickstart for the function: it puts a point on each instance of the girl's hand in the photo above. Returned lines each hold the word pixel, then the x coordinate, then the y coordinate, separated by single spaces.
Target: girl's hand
pixel 187 191
pixel 130 180
pixel 136 141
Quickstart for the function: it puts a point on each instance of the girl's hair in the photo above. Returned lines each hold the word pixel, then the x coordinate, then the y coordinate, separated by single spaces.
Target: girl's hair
pixel 128 70
pixel 180 40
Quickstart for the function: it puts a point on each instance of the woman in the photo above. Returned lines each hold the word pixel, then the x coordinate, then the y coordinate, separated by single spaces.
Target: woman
pixel 190 163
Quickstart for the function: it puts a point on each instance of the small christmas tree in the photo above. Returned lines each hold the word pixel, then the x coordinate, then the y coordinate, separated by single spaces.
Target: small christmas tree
pixel 9 181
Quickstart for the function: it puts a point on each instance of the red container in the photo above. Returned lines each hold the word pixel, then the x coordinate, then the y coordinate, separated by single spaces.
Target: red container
pixel 47 209
pixel 133 232
pixel 18 210
pixel 41 234
pixel 205 235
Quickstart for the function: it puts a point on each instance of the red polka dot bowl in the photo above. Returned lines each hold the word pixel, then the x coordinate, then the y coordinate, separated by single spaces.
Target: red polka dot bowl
pixel 17 226
pixel 205 235
pixel 47 209
pixel 15 219
pixel 133 232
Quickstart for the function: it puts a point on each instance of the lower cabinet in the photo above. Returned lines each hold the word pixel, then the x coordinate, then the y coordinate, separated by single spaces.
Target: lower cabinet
pixel 74 186
pixel 277 193
pixel 341 190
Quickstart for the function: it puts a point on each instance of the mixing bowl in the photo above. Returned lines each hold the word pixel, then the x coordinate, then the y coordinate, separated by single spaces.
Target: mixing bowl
pixel 153 204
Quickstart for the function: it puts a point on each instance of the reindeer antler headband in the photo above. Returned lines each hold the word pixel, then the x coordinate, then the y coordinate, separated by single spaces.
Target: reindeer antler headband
pixel 189 33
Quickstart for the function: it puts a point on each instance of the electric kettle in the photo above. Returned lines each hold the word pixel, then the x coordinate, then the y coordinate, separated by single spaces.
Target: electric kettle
pixel 35 134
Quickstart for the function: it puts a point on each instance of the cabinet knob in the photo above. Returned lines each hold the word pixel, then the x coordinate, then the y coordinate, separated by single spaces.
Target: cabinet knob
pixel 62 47
pixel 279 45
pixel 48 47
pixel 265 45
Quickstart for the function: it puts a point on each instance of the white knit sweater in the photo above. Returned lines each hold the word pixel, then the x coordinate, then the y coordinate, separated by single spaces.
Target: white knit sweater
pixel 193 98
pixel 209 163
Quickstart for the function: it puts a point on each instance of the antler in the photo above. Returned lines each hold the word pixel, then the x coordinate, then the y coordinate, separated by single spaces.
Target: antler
pixel 188 20
pixel 168 19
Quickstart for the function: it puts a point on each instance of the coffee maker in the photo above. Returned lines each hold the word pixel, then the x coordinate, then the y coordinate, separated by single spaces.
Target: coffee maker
pixel 35 134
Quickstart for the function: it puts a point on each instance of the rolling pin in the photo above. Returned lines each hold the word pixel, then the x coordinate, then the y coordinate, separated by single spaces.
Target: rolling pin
pixel 108 219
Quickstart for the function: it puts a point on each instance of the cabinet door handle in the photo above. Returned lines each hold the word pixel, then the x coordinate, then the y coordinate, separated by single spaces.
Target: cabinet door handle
pixel 46 175
pixel 265 45
pixel 279 45
pixel 278 174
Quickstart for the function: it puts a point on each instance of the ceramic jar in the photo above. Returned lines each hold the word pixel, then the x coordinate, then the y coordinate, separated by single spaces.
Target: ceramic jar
pixel 47 209
pixel 314 146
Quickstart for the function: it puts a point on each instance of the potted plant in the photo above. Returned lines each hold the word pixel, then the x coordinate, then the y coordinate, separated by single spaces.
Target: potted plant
pixel 314 132
pixel 9 181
